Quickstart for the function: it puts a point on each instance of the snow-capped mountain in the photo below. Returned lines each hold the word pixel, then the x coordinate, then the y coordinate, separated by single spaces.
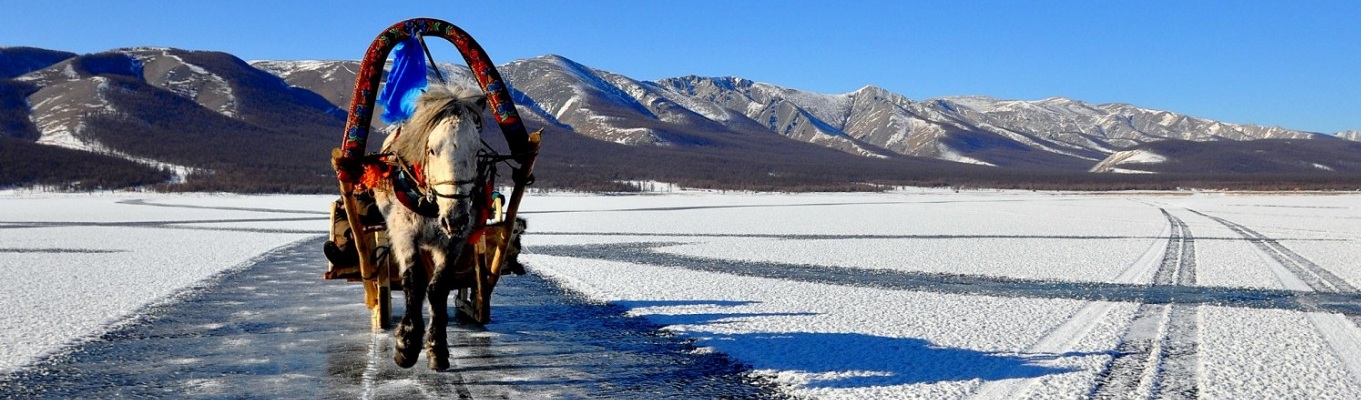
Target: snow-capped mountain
pixel 333 80
pixel 971 129
pixel 76 88
pixel 1054 133
pixel 184 111
pixel 1102 127
pixel 196 111
pixel 791 113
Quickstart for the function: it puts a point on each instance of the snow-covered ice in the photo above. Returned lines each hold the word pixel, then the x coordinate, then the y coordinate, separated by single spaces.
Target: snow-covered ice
pixel 910 294
pixel 77 264
pixel 862 338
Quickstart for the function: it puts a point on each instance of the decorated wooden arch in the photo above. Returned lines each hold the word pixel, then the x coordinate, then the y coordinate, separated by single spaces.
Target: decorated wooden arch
pixel 371 74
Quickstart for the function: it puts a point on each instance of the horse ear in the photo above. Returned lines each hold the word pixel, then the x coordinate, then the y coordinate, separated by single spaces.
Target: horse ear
pixel 481 102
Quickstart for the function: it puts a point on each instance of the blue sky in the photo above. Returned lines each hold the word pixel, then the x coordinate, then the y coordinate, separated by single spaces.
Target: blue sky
pixel 1295 64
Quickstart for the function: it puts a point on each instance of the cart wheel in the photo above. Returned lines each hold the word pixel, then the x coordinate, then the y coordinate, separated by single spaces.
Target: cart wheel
pixel 382 312
pixel 463 306
pixel 471 308
pixel 474 303
pixel 382 309
pixel 482 297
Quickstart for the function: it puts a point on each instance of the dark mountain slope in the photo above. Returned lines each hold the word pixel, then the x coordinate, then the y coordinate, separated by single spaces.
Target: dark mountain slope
pixel 1255 157
pixel 15 61
pixel 26 163
pixel 14 122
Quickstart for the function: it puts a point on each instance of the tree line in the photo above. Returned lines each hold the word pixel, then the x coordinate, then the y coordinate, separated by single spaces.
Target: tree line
pixel 240 157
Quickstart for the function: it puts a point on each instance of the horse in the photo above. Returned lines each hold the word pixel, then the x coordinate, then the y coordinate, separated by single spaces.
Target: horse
pixel 439 144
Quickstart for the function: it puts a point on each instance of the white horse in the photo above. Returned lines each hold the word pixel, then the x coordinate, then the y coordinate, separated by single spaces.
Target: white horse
pixel 443 137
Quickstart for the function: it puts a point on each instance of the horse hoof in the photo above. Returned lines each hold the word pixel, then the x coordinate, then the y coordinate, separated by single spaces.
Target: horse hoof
pixel 438 361
pixel 407 345
pixel 437 364
pixel 406 354
pixel 404 360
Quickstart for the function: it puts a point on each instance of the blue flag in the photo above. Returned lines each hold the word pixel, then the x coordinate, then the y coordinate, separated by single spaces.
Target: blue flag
pixel 406 81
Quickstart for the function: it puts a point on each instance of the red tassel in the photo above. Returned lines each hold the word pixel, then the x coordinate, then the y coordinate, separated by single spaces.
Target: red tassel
pixel 375 174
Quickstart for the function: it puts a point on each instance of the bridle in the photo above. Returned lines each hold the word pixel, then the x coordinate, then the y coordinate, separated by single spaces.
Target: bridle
pixel 414 191
pixel 482 173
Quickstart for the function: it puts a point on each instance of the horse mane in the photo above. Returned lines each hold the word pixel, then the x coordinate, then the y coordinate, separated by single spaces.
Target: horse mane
pixel 438 104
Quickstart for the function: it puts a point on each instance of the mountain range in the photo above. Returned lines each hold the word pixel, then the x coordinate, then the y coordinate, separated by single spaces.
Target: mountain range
pixel 210 121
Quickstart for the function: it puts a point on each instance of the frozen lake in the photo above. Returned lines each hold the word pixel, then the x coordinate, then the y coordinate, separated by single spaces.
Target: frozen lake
pixel 912 294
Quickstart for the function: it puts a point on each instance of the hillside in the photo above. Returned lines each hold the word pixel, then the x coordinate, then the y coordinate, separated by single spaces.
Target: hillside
pixel 215 122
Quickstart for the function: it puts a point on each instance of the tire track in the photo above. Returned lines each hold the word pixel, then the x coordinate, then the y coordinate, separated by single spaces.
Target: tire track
pixel 1343 338
pixel 1159 352
pixel 1172 366
pixel 1172 336
pixel 1312 274
pixel 1068 335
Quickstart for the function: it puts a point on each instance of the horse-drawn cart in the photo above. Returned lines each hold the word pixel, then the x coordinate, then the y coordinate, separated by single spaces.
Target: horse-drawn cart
pixel 494 229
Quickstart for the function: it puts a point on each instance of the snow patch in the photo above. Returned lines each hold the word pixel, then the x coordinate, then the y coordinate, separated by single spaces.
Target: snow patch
pixel 1137 156
pixel 191 86
pixel 1128 171
pixel 951 155
pixel 60 123
pixel 566 105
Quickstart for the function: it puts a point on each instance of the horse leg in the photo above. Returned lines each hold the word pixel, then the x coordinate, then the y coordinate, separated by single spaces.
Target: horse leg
pixel 437 343
pixel 410 329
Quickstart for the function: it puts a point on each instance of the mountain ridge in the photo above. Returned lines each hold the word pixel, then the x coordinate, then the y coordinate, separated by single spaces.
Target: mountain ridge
pixel 79 101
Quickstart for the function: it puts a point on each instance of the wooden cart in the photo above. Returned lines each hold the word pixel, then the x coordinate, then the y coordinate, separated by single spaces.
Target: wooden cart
pixel 481 264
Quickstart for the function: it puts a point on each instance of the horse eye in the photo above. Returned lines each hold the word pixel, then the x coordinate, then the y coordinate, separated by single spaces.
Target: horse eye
pixel 432 152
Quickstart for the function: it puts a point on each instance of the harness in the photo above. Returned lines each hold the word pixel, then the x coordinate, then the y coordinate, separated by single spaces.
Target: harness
pixel 359 172
pixel 409 185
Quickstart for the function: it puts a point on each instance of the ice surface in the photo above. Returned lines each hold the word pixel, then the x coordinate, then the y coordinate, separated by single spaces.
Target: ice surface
pixel 78 264
pixel 824 340
pixel 1265 354
pixel 1008 294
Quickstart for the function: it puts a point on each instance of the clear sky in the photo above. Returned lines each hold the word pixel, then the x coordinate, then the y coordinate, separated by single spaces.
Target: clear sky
pixel 1289 63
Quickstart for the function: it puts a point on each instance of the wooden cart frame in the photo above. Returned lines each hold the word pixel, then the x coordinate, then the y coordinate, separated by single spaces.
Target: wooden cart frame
pixel 479 266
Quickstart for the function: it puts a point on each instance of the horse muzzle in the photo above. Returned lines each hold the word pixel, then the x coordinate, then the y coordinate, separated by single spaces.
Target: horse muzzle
pixel 455 224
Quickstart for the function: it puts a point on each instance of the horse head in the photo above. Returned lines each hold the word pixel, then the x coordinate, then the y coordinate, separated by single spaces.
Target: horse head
pixel 449 120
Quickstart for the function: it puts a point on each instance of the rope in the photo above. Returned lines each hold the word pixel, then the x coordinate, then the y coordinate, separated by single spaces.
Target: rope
pixel 431 59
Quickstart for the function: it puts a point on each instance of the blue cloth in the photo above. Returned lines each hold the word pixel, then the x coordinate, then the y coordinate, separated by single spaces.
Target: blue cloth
pixel 406 81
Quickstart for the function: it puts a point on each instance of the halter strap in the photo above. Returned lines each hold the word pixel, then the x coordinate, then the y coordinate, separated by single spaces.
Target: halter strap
pixel 431 188
pixel 418 194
